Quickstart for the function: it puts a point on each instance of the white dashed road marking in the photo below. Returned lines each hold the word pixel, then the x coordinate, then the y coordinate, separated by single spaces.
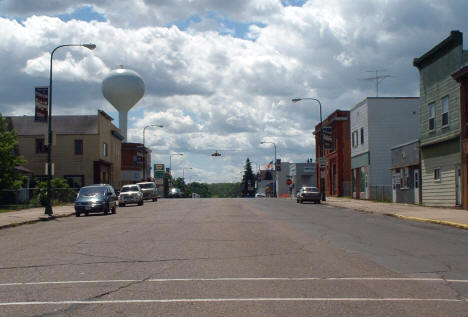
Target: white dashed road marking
pixel 404 279
pixel 210 300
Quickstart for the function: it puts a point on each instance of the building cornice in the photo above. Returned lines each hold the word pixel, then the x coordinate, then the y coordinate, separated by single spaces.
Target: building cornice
pixel 455 39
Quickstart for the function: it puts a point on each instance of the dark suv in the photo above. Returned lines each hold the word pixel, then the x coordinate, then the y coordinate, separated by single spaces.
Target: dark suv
pixel 96 198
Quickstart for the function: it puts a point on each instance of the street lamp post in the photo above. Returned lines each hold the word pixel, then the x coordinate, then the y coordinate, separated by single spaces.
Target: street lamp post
pixel 48 209
pixel 170 161
pixel 322 152
pixel 144 148
pixel 274 164
pixel 183 172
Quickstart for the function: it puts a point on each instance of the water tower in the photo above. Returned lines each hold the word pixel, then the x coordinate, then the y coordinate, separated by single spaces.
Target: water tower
pixel 123 88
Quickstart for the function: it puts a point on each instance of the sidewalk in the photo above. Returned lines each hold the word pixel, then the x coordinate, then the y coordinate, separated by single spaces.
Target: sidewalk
pixel 444 216
pixel 13 218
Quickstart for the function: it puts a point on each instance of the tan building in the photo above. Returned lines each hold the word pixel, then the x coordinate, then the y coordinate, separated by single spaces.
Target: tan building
pixel 87 148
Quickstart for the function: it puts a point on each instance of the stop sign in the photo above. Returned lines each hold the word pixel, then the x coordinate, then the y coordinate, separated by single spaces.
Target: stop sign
pixel 288 181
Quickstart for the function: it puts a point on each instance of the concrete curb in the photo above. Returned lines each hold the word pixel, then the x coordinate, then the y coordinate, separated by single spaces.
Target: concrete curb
pixel 439 222
pixel 434 221
pixel 28 222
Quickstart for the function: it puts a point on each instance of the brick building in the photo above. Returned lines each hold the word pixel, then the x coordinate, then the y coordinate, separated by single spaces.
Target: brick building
pixel 337 152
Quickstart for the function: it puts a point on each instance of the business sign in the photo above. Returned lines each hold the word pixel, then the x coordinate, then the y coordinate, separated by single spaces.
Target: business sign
pixel 41 99
pixel 158 171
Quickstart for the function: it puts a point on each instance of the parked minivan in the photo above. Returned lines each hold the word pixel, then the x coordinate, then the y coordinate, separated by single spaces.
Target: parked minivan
pixel 149 190
pixel 96 198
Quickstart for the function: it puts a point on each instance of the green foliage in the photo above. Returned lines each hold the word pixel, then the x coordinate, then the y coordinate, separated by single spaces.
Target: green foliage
pixel 60 191
pixel 248 180
pixel 199 188
pixel 224 190
pixel 10 178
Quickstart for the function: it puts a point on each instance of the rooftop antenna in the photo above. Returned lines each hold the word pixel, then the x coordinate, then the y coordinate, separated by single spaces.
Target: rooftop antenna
pixel 377 78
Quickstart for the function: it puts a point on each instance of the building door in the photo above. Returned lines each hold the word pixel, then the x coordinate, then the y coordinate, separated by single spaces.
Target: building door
pixel 458 181
pixel 416 186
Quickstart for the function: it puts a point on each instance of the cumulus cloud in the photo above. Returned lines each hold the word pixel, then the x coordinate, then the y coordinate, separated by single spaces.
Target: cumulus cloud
pixel 210 88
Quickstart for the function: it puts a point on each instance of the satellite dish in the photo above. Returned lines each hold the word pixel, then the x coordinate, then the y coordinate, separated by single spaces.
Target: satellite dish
pixel 123 88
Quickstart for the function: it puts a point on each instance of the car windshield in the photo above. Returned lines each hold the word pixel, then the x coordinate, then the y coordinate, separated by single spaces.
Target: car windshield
pixel 311 189
pixel 149 185
pixel 129 189
pixel 92 191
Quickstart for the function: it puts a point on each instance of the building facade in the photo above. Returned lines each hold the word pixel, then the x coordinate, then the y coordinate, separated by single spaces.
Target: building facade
pixel 461 77
pixel 134 156
pixel 376 125
pixel 440 122
pixel 406 173
pixel 302 174
pixel 337 151
pixel 87 149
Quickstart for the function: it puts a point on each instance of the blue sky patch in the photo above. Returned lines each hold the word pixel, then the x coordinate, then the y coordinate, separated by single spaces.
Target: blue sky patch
pixel 85 13
pixel 225 25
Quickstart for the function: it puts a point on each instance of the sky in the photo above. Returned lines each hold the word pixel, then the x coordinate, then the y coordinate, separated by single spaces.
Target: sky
pixel 220 75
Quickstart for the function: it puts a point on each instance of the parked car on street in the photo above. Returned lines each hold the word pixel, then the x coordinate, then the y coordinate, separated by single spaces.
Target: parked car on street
pixel 260 195
pixel 130 194
pixel 149 190
pixel 308 194
pixel 96 198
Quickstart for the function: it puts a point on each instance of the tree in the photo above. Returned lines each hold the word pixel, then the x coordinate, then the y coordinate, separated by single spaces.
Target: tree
pixel 248 180
pixel 10 177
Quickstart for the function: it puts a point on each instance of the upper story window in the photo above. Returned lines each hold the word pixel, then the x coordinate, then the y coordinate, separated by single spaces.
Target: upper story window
pixel 362 135
pixel 355 139
pixel 40 146
pixel 445 111
pixel 78 147
pixel 104 149
pixel 431 116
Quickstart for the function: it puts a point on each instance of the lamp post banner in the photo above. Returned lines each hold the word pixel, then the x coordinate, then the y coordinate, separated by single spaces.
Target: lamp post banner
pixel 41 97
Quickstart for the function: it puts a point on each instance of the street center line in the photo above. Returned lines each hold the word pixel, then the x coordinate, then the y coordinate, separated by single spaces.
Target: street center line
pixel 240 279
pixel 212 300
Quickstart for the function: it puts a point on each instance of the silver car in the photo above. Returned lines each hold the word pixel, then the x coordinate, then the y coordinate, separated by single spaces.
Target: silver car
pixel 130 194
pixel 308 194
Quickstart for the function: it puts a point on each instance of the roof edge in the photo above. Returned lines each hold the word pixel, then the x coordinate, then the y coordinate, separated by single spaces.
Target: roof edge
pixel 454 39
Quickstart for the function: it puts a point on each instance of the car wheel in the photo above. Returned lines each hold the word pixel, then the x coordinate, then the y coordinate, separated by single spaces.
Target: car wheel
pixel 106 209
pixel 77 214
pixel 140 203
pixel 301 201
pixel 318 201
pixel 86 213
pixel 114 209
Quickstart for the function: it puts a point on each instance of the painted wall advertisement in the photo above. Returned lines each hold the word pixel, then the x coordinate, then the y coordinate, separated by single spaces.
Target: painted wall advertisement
pixel 41 97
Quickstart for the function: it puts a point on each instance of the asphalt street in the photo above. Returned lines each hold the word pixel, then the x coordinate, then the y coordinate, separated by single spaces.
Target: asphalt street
pixel 233 257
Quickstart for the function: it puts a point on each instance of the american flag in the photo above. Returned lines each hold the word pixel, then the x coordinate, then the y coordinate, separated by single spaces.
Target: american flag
pixel 269 165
